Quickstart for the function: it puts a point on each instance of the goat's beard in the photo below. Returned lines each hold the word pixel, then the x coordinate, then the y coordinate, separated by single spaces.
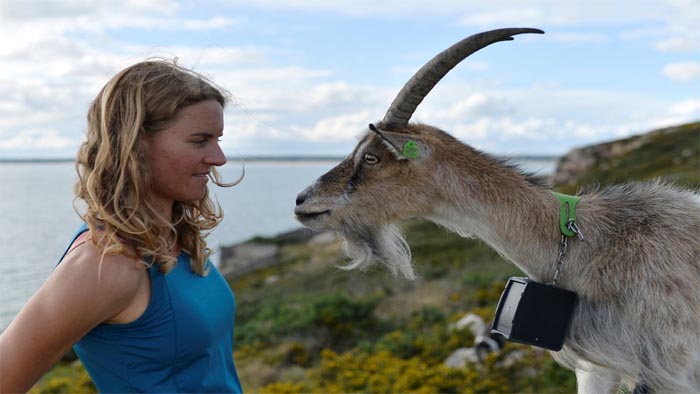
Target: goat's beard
pixel 384 244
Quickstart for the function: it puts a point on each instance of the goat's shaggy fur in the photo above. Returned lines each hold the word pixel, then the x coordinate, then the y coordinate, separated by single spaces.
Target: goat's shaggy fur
pixel 382 244
pixel 637 274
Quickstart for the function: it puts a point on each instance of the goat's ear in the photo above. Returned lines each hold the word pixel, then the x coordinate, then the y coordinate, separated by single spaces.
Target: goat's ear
pixel 403 146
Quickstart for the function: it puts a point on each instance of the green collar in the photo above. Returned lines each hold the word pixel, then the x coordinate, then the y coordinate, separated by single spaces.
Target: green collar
pixel 567 213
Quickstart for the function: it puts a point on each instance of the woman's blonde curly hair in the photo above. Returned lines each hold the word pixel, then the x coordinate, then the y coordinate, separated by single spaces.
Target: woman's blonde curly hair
pixel 113 180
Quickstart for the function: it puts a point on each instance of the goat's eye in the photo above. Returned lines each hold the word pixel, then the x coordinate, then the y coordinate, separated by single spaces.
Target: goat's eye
pixel 371 159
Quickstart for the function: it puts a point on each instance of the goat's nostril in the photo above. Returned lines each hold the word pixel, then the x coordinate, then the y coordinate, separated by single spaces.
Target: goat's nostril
pixel 301 197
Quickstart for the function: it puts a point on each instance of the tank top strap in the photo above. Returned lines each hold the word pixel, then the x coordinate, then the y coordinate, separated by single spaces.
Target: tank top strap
pixel 81 239
pixel 82 229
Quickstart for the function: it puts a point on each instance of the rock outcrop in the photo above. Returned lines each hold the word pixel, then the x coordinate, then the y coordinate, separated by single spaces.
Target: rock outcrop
pixel 671 153
pixel 260 253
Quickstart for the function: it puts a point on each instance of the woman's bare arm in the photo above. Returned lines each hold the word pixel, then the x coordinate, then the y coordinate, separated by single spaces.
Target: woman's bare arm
pixel 77 296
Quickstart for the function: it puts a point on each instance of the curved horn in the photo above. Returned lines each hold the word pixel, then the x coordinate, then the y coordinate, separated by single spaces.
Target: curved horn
pixel 415 90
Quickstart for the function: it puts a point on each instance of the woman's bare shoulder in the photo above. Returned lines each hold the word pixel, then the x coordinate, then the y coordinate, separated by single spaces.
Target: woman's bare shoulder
pixel 117 273
pixel 85 290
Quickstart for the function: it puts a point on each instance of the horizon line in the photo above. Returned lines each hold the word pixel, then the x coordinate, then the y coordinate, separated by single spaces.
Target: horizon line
pixel 272 158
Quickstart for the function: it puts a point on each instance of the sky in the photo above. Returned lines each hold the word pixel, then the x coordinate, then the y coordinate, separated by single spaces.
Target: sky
pixel 307 76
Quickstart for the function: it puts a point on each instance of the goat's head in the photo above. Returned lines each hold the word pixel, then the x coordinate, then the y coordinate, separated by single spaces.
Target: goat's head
pixel 390 175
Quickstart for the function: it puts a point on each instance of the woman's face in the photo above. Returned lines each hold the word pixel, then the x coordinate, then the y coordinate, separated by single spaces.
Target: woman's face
pixel 181 155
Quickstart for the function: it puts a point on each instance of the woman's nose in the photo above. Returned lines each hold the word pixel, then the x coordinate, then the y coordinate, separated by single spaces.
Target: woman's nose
pixel 217 157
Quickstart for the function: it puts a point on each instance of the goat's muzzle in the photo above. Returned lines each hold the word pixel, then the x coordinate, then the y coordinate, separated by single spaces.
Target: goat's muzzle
pixel 305 217
pixel 305 214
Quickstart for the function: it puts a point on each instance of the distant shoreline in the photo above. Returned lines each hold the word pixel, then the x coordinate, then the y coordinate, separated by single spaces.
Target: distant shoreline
pixel 264 159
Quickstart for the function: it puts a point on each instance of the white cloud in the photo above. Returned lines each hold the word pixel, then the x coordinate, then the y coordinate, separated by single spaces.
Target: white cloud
pixel 44 139
pixel 338 95
pixel 55 56
pixel 51 78
pixel 167 7
pixel 50 139
pixel 668 25
pixel 682 34
pixel 33 9
pixel 473 131
pixel 683 72
pixel 475 105
pixel 210 58
pixel 336 129
pixel 216 22
pixel 549 120
pixel 488 12
pixel 687 108
pixel 673 113
pixel 586 131
pixel 524 135
pixel 245 128
pixel 327 95
pixel 678 44
pixel 269 89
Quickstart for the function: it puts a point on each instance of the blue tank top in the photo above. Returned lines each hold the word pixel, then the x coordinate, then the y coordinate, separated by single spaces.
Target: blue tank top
pixel 183 342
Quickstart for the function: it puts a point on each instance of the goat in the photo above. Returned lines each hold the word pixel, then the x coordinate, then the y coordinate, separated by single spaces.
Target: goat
pixel 637 275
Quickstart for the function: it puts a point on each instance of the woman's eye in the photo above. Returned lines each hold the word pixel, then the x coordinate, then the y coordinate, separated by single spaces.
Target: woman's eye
pixel 371 159
pixel 204 141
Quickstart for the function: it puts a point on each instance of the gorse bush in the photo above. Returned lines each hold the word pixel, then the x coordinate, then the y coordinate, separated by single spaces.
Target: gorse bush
pixel 343 315
pixel 65 378
pixel 411 357
pixel 384 372
pixel 335 317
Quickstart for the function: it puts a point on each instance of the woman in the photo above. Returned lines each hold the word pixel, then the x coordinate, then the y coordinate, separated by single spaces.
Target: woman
pixel 136 292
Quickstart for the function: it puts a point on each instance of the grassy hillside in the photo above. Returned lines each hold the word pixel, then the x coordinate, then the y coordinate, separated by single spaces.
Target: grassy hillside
pixel 671 154
pixel 306 326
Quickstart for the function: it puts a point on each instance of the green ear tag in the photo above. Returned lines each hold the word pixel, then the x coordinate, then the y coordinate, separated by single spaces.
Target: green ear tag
pixel 410 149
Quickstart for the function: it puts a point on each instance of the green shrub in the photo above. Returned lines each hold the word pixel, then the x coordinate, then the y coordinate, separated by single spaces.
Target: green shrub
pixel 65 378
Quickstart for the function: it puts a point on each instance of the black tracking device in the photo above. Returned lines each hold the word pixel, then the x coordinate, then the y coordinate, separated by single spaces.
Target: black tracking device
pixel 534 313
